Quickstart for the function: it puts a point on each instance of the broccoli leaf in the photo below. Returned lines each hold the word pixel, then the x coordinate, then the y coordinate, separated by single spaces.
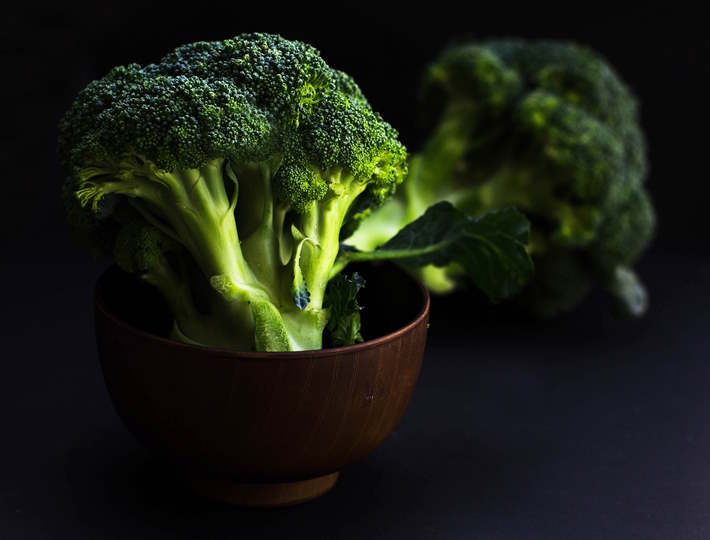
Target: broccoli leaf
pixel 490 248
pixel 343 309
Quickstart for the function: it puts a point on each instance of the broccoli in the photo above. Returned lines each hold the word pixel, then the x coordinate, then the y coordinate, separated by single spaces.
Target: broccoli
pixel 223 175
pixel 549 128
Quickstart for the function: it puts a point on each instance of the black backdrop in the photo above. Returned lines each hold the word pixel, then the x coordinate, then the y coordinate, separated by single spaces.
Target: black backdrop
pixel 50 54
pixel 581 428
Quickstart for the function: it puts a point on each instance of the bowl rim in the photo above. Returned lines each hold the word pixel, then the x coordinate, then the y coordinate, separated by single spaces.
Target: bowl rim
pixel 247 355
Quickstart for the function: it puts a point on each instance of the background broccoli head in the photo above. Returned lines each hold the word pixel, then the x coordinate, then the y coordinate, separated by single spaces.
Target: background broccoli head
pixel 232 163
pixel 550 128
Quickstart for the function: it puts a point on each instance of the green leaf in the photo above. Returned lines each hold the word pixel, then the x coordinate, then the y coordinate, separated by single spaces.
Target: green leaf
pixel 343 326
pixel 490 248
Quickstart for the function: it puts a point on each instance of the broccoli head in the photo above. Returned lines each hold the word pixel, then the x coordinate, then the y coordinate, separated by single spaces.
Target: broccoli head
pixel 547 127
pixel 222 175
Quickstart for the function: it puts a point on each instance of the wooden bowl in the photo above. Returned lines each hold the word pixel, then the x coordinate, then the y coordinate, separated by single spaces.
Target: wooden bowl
pixel 260 429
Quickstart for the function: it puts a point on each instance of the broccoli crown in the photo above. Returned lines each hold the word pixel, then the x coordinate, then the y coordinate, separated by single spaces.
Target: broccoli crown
pixel 557 107
pixel 252 99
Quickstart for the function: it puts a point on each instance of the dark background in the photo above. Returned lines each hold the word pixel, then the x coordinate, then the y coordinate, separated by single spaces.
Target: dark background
pixel 583 427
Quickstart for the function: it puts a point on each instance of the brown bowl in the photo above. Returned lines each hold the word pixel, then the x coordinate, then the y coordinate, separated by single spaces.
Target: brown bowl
pixel 261 429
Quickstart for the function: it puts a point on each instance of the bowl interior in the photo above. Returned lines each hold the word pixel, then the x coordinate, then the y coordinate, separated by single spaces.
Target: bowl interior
pixel 391 299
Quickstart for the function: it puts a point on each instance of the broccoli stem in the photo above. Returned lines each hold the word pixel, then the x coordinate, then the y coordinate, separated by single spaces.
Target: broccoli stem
pixel 284 241
pixel 261 249
pixel 629 296
pixel 321 222
pixel 304 329
pixel 215 328
pixel 190 205
pixel 276 327
pixel 431 171
pixel 258 285
pixel 193 208
pixel 174 289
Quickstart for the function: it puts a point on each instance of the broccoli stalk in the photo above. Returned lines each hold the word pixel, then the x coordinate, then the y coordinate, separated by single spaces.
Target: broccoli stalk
pixel 263 282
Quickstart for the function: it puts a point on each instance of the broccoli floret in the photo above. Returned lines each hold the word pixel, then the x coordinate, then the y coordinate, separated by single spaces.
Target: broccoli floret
pixel 547 127
pixel 238 161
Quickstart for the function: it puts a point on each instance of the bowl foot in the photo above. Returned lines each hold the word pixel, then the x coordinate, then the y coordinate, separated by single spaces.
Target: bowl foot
pixel 264 495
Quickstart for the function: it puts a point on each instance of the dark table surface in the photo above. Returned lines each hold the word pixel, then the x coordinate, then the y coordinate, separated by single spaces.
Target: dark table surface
pixel 581 428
